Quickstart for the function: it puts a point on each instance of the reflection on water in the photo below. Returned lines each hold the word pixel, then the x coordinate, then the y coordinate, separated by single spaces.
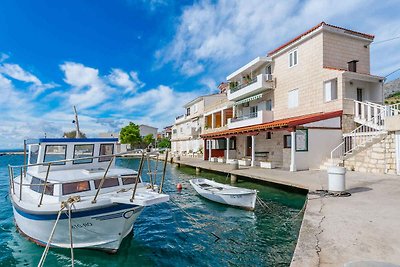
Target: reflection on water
pixel 187 231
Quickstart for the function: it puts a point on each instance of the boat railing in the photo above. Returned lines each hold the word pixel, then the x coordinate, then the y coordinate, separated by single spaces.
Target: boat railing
pixel 22 174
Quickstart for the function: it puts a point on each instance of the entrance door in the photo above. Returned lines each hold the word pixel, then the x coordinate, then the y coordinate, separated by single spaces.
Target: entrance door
pixel 248 146
pixel 359 94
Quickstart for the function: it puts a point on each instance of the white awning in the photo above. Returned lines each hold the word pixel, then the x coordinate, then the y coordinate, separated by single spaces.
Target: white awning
pixel 251 98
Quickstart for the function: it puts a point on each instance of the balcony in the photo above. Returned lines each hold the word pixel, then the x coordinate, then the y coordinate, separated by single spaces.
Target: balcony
pixel 257 85
pixel 180 118
pixel 262 116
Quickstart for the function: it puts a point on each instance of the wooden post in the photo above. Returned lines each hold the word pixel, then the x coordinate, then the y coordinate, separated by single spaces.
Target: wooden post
pixel 163 174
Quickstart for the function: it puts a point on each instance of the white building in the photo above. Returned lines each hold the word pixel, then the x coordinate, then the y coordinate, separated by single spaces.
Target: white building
pixel 146 130
pixel 188 127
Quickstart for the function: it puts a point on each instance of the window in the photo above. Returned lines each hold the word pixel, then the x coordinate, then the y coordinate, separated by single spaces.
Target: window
pixel 174 131
pixel 268 104
pixel 293 98
pixel 129 179
pixel 194 108
pixel 106 149
pixel 269 135
pixel 108 182
pixel 187 111
pixel 302 140
pixel 37 185
pixel 268 69
pixel 83 151
pixel 287 141
pixel 293 58
pixel 181 129
pixel 55 152
pixel 33 154
pixel 253 111
pixel 76 187
pixel 330 90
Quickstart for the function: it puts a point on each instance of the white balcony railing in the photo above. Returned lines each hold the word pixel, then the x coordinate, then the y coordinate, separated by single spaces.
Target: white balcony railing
pixel 257 85
pixel 262 116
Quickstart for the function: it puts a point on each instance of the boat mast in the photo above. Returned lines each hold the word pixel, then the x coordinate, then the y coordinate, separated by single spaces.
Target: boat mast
pixel 77 135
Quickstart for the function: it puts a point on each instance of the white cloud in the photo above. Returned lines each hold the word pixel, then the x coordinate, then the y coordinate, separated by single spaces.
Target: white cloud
pixel 217 37
pixel 3 57
pixel 78 75
pixel 18 73
pixel 130 82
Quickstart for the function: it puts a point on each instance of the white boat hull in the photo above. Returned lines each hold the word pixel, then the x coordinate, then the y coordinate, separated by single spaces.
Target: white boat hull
pixel 243 198
pixel 102 228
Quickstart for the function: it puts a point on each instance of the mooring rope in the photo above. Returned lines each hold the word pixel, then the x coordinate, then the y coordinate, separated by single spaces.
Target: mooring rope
pixel 64 204
pixel 46 250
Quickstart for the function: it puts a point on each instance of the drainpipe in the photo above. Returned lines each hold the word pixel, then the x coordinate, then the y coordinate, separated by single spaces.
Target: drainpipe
pixel 293 151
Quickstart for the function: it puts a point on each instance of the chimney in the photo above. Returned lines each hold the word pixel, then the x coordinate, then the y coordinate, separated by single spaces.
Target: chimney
pixel 352 65
pixel 222 87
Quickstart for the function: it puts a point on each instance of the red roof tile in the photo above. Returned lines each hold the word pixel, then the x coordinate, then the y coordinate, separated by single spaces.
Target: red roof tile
pixel 284 123
pixel 365 35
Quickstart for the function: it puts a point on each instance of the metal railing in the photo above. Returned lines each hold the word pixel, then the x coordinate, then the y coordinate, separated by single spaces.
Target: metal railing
pixel 240 86
pixel 245 117
pixel 359 137
pixel 23 171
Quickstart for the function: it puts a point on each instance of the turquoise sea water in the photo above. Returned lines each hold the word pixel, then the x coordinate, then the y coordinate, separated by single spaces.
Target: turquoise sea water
pixel 168 235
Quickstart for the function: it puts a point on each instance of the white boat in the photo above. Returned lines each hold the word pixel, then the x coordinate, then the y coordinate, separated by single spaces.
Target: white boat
pixel 225 194
pixel 77 177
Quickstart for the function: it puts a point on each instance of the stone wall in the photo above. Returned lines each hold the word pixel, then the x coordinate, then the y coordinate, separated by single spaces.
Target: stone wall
pixel 378 158
pixel 348 123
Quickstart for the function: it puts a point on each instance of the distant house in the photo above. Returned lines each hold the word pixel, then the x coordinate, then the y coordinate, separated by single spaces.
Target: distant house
pixel 121 148
pixel 146 130
pixel 167 132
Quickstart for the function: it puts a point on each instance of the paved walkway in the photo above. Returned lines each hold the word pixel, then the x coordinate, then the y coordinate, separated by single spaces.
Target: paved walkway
pixel 337 230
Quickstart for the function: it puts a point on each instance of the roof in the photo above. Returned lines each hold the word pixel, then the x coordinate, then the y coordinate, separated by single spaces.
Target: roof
pixel 144 125
pixel 347 72
pixel 197 99
pixel 283 123
pixel 322 24
pixel 70 140
pixel 252 65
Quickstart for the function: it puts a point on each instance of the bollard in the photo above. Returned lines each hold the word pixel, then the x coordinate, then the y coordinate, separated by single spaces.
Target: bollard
pixel 233 178
pixel 198 170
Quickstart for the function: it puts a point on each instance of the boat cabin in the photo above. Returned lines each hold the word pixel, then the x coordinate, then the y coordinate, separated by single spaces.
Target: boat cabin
pixel 77 166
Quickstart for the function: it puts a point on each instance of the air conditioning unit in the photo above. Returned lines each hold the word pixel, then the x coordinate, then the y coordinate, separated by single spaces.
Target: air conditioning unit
pixel 268 77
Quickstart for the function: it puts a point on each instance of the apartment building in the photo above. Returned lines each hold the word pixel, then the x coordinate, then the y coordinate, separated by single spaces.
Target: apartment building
pixel 185 138
pixel 300 102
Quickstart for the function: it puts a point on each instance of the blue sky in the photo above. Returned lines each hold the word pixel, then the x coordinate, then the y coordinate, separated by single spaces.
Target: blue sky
pixel 140 61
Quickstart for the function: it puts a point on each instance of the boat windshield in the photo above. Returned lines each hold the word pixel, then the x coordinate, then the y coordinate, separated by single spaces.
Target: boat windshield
pixel 37 185
pixel 76 187
pixel 109 182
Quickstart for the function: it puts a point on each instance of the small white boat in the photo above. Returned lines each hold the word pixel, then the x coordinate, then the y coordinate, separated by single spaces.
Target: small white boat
pixel 225 194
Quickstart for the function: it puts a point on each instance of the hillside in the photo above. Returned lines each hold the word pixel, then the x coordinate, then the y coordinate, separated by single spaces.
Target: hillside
pixel 392 88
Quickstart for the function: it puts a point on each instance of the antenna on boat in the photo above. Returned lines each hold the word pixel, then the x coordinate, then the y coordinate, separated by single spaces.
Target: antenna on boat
pixel 78 135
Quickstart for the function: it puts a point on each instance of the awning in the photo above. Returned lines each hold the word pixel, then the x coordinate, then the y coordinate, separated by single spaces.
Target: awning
pixel 251 98
pixel 288 123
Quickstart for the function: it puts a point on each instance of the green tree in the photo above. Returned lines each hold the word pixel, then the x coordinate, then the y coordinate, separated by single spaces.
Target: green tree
pixel 164 143
pixel 130 134
pixel 148 139
pixel 72 134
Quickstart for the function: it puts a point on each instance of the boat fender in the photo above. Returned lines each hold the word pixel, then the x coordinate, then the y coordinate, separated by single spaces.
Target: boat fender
pixel 179 186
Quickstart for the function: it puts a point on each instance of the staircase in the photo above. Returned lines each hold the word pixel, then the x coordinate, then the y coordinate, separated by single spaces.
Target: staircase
pixel 371 117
